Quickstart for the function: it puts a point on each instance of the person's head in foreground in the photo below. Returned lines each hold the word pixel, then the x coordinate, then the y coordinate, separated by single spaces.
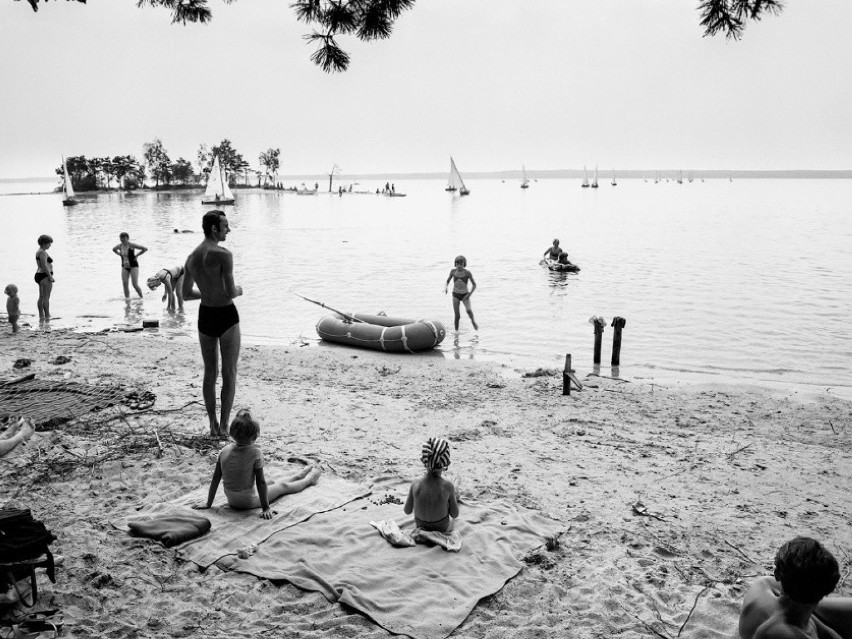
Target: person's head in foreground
pixel 44 240
pixel 806 570
pixel 461 261
pixel 245 429
pixel 555 242
pixel 435 455
pixel 11 289
pixel 214 223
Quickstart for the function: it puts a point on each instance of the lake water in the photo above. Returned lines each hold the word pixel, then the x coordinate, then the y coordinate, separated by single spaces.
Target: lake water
pixel 746 280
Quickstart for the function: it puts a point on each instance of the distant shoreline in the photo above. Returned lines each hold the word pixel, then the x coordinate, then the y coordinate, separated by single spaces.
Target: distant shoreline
pixel 548 174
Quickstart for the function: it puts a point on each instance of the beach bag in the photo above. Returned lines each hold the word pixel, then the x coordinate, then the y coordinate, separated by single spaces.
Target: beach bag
pixel 22 537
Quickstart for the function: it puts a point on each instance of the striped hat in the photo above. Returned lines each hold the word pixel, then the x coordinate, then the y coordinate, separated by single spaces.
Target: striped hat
pixel 436 454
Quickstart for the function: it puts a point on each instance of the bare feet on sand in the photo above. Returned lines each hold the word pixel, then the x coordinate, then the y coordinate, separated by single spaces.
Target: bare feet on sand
pixel 26 427
pixel 313 475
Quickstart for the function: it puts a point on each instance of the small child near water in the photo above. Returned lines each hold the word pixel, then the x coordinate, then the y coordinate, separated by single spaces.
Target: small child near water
pixel 13 306
pixel 460 276
pixel 432 498
pixel 240 469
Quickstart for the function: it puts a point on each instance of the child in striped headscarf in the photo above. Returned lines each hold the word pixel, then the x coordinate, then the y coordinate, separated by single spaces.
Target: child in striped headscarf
pixel 432 498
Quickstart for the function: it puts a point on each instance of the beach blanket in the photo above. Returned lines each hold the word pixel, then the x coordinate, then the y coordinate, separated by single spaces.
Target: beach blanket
pixel 422 591
pixel 232 529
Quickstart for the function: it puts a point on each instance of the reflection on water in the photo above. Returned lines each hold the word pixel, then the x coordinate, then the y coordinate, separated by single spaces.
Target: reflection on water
pixel 464 347
pixel 747 278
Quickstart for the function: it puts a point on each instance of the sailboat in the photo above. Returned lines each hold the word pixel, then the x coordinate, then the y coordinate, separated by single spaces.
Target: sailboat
pixel 217 191
pixel 455 183
pixel 585 183
pixel 614 183
pixel 595 179
pixel 526 183
pixel 68 200
pixel 680 178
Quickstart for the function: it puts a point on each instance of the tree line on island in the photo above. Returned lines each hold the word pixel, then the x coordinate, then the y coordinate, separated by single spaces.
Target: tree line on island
pixel 128 173
pixel 370 20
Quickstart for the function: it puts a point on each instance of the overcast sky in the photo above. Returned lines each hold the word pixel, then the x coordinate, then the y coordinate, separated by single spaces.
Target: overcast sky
pixel 552 84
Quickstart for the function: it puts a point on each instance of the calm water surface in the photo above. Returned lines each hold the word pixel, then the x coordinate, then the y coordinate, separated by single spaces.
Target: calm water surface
pixel 747 279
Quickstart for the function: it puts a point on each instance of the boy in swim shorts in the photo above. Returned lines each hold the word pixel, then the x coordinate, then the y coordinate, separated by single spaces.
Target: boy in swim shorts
pixel 240 469
pixel 432 498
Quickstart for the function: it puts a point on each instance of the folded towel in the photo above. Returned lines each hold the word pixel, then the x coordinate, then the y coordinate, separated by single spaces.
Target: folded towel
pixel 389 529
pixel 171 530
pixel 450 543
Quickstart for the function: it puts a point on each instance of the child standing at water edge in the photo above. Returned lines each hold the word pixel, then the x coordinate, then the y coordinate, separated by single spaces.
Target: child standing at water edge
pixel 432 498
pixel 127 251
pixel 240 469
pixel 13 306
pixel 460 277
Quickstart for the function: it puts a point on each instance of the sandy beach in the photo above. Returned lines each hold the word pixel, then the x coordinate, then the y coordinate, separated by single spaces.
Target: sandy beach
pixel 671 498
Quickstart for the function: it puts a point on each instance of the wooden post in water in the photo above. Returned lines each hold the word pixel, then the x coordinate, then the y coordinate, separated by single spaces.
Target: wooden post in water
pixel 599 322
pixel 568 377
pixel 617 324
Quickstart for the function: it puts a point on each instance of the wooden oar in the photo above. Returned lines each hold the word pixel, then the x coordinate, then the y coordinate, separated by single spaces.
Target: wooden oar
pixel 334 310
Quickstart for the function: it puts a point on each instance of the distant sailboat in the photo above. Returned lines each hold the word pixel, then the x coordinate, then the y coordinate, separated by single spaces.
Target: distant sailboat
pixel 455 183
pixel 68 200
pixel 595 179
pixel 614 183
pixel 526 183
pixel 217 191
pixel 680 178
pixel 585 183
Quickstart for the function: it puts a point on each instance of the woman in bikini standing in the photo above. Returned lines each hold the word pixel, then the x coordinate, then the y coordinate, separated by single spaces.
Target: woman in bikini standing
pixel 44 277
pixel 460 277
pixel 127 251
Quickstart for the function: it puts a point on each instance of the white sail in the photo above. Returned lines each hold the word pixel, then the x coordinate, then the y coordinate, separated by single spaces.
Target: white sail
pixel 455 182
pixel 226 190
pixel 214 181
pixel 595 179
pixel 525 184
pixel 585 177
pixel 69 189
pixel 217 185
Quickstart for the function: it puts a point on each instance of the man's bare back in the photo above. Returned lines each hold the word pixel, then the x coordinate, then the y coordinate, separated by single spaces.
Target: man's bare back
pixel 211 268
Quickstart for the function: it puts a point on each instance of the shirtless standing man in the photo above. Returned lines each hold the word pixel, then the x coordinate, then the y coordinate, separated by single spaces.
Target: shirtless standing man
pixel 211 268
pixel 790 604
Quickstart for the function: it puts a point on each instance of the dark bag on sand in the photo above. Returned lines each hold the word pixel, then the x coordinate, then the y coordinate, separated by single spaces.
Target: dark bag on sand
pixel 22 537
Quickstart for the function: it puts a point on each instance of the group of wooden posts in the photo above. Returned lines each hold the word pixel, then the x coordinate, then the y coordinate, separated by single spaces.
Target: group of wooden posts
pixel 618 323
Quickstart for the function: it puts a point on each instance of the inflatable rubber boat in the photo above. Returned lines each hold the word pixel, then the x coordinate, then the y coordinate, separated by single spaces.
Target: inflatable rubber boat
pixel 553 265
pixel 381 333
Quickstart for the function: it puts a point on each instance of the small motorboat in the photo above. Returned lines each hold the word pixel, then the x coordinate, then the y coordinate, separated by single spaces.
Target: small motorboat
pixel 381 333
pixel 554 265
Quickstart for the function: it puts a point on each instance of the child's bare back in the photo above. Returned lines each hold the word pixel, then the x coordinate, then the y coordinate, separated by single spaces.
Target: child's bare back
pixel 432 498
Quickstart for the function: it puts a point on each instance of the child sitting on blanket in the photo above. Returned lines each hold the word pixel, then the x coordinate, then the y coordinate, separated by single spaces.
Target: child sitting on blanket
pixel 240 469
pixel 432 498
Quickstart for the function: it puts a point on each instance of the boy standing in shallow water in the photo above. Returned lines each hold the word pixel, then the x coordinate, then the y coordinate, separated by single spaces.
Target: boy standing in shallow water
pixel 432 498
pixel 240 469
pixel 13 306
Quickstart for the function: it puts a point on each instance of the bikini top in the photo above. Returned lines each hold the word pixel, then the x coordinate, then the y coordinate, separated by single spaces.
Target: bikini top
pixel 38 264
